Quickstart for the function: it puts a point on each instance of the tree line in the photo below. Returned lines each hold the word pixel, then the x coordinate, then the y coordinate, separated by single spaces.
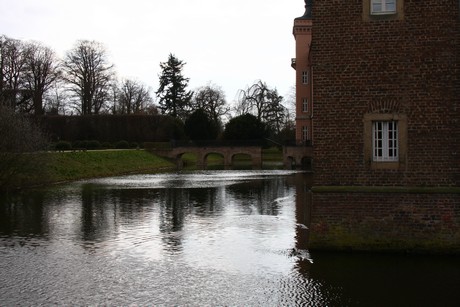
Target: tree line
pixel 34 80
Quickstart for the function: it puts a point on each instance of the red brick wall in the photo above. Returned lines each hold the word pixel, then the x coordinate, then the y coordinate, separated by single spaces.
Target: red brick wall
pixel 385 221
pixel 412 63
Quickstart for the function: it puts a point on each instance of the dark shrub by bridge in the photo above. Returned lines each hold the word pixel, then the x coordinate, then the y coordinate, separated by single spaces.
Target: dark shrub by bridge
pixel 245 127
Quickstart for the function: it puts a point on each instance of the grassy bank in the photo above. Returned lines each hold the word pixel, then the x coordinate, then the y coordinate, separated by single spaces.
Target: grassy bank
pixel 69 166
pixel 90 164
pixel 55 167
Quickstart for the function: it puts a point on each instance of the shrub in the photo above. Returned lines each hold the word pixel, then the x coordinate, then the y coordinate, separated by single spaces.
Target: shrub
pixel 122 145
pixel 79 145
pixel 107 145
pixel 200 127
pixel 245 127
pixel 134 145
pixel 157 145
pixel 63 145
pixel 93 144
pixel 21 146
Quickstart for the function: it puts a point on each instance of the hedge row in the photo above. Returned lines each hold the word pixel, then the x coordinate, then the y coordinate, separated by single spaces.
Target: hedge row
pixel 94 145
pixel 112 128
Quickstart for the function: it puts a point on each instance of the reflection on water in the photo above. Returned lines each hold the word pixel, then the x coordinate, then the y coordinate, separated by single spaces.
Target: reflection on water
pixel 201 238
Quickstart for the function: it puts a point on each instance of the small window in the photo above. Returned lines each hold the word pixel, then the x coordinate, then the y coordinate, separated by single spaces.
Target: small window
pixel 385 141
pixel 383 6
pixel 304 133
pixel 305 77
pixel 305 105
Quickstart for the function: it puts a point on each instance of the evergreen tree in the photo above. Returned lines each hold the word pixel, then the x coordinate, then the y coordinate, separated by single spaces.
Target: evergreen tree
pixel 174 99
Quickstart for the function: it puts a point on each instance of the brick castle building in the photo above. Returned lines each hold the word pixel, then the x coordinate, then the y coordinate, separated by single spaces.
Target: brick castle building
pixel 378 87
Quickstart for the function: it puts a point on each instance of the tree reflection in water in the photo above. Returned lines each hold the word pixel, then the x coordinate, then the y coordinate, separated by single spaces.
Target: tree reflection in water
pixel 205 238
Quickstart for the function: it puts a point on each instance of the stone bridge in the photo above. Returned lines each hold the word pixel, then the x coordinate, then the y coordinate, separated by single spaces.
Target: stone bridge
pixel 202 153
pixel 294 157
pixel 298 157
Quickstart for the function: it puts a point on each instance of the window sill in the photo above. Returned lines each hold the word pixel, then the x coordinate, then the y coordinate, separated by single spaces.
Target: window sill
pixel 381 17
pixel 385 165
pixel 383 13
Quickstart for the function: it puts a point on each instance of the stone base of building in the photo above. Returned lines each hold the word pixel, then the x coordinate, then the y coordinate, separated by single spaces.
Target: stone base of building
pixel 386 222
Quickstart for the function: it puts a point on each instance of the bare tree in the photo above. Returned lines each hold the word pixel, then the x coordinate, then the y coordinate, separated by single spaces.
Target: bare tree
pixel 211 99
pixel 113 97
pixel 133 98
pixel 41 71
pixel 89 75
pixel 27 71
pixel 12 62
pixel 264 103
pixel 56 99
pixel 275 114
pixel 3 55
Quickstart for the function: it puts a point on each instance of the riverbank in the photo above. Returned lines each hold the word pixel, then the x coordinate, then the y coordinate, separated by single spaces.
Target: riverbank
pixel 90 164
pixel 70 166
pixel 57 167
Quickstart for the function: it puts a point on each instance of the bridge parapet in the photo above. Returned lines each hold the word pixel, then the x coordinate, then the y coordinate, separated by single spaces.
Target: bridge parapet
pixel 217 143
pixel 293 156
pixel 202 153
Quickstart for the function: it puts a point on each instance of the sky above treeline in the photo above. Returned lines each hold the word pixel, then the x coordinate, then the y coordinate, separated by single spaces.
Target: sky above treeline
pixel 229 43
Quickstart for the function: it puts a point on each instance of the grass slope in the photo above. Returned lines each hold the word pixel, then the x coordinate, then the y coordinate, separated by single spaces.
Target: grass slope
pixel 67 166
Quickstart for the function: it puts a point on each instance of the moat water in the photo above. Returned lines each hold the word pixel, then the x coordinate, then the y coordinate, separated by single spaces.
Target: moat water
pixel 205 238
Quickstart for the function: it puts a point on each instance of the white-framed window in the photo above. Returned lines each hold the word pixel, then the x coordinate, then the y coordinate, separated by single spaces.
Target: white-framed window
pixel 304 77
pixel 304 133
pixel 305 105
pixel 383 6
pixel 385 141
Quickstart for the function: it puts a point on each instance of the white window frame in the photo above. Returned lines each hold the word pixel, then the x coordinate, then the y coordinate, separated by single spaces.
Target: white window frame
pixel 386 7
pixel 385 139
pixel 305 77
pixel 304 133
pixel 305 105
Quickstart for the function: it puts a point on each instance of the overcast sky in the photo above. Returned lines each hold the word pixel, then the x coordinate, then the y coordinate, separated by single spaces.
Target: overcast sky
pixel 229 43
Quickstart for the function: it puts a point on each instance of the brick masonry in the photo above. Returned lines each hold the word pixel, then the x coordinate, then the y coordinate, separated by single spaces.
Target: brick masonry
pixel 387 222
pixel 407 66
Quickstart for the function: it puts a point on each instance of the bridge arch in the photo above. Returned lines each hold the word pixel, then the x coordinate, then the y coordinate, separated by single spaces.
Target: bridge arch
pixel 227 152
pixel 179 160
pixel 306 163
pixel 298 157
pixel 234 156
pixel 290 162
pixel 300 162
pixel 204 162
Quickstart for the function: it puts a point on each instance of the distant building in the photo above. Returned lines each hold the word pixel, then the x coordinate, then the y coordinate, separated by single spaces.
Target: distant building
pixel 302 64
pixel 378 90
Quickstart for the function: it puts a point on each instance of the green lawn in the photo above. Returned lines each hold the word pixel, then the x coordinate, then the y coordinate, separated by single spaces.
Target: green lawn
pixel 88 164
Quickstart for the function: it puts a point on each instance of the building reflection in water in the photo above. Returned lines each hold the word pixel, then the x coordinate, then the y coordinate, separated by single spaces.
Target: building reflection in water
pixel 269 229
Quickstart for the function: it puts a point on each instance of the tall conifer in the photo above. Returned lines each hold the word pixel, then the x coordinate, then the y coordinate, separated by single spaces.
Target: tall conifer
pixel 174 99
